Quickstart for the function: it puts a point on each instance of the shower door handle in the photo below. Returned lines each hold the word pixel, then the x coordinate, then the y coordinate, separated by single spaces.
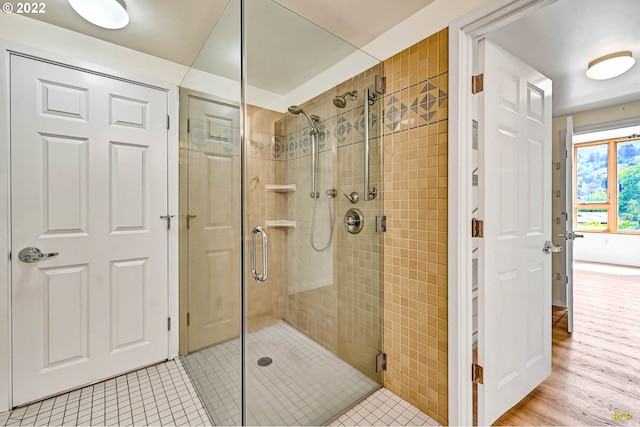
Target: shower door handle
pixel 265 257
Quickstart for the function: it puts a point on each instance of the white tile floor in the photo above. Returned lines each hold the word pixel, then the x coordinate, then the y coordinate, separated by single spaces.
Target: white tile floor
pixel 158 395
pixel 384 408
pixel 163 395
pixel 305 384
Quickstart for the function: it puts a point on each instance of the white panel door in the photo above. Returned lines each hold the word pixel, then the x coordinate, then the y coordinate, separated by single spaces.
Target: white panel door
pixel 213 223
pixel 89 182
pixel 514 301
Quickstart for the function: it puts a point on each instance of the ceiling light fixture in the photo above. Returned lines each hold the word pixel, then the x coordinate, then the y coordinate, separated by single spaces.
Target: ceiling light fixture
pixel 610 66
pixel 110 14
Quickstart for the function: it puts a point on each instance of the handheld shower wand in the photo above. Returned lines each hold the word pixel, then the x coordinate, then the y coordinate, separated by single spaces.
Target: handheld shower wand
pixel 331 193
pixel 313 119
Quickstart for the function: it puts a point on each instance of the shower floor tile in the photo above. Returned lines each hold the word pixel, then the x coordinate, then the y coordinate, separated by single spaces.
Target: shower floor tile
pixel 163 394
pixel 305 384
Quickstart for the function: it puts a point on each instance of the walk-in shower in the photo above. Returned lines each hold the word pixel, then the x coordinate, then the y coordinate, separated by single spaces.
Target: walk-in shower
pixel 298 346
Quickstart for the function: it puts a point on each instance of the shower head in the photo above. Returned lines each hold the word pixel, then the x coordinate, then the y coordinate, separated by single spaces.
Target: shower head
pixel 340 101
pixel 313 119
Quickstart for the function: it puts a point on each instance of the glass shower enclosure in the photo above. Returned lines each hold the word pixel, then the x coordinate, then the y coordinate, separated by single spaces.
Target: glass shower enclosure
pixel 280 187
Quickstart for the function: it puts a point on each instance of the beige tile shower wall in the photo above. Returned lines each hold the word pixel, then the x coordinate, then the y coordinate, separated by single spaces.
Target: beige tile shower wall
pixel 415 245
pixel 265 301
pixel 359 264
pixel 346 315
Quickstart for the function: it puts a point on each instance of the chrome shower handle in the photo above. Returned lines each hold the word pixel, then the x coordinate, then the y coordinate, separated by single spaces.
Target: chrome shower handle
pixel 265 257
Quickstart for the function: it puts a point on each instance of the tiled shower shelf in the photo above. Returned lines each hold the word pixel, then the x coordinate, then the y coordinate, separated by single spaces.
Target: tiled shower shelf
pixel 280 223
pixel 280 188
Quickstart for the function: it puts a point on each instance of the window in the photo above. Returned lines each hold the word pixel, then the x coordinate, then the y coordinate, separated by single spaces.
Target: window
pixel 598 205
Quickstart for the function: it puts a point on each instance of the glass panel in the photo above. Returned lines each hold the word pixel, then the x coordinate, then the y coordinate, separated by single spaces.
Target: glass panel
pixel 210 221
pixel 629 185
pixel 592 174
pixel 314 326
pixel 592 219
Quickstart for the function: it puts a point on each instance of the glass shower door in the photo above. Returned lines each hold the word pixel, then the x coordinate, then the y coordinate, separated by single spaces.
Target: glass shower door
pixel 281 306
pixel 211 221
pixel 314 325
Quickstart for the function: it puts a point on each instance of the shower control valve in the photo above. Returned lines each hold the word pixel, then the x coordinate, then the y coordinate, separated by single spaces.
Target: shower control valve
pixel 353 221
pixel 353 197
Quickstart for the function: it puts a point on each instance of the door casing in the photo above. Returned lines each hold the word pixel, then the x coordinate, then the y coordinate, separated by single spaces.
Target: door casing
pixel 462 34
pixel 6 49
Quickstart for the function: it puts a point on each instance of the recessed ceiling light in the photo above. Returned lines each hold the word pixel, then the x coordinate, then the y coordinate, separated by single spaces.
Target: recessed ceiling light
pixel 110 14
pixel 610 66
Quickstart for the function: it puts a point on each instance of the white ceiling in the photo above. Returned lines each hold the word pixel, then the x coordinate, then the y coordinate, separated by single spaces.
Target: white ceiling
pixel 558 40
pixel 176 29
pixel 561 39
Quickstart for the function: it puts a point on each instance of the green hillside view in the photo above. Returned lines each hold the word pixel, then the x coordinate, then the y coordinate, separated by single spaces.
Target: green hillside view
pixel 592 185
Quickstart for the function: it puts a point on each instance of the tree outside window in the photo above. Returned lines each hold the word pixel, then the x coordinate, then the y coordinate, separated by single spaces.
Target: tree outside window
pixel 599 206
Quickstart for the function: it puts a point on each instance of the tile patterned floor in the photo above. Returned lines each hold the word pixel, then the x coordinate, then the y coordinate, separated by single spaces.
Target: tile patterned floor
pixel 305 384
pixel 158 395
pixel 383 408
pixel 162 395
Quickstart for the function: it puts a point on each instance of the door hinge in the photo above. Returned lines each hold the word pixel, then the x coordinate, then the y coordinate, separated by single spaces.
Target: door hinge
pixel 477 227
pixel 381 224
pixel 380 84
pixel 188 319
pixel 477 373
pixel 168 323
pixel 477 83
pixel 381 362
pixel 188 125
pixel 168 122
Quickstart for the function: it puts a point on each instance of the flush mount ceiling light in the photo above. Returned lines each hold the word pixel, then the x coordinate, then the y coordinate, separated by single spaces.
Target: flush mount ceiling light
pixel 110 14
pixel 610 66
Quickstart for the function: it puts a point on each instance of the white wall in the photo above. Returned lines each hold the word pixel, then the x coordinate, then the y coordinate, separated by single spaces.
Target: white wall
pixel 610 248
pixel 41 35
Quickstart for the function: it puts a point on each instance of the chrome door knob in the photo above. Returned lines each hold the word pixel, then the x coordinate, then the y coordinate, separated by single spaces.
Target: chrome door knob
pixel 32 254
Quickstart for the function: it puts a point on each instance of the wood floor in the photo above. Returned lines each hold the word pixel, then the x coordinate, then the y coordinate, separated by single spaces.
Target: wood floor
pixel 596 370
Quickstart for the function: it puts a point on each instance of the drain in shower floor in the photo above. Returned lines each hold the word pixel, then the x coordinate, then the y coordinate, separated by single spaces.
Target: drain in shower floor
pixel 264 361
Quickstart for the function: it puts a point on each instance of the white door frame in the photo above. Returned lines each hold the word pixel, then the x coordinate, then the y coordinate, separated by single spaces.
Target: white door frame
pixel 6 49
pixel 462 33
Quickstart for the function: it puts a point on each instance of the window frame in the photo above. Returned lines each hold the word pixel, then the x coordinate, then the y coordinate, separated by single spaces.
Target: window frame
pixel 611 205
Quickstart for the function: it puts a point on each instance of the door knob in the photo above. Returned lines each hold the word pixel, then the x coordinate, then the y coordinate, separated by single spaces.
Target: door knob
pixel 550 248
pixel 570 235
pixel 32 254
